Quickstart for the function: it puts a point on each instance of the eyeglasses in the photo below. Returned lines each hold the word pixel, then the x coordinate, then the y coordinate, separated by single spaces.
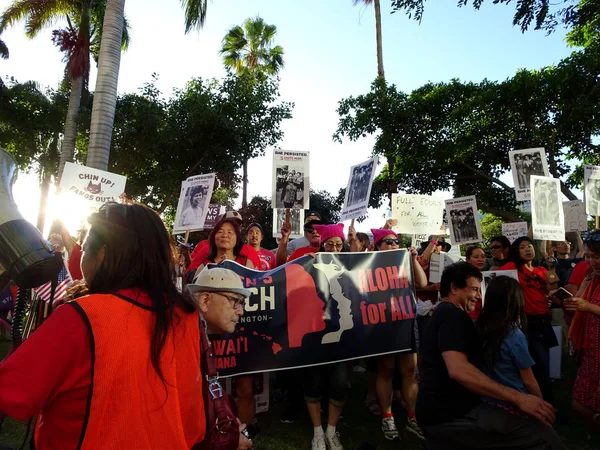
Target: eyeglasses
pixel 309 229
pixel 391 241
pixel 496 247
pixel 236 302
pixel 336 245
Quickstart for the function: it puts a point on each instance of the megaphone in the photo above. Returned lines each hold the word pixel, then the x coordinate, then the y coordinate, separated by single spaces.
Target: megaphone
pixel 25 256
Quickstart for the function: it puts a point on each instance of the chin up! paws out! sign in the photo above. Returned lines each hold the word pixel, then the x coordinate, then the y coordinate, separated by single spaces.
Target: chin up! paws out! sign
pixel 94 185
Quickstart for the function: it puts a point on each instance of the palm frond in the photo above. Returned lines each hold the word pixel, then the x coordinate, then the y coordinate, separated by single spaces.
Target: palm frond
pixel 38 14
pixel 363 2
pixel 3 50
pixel 195 14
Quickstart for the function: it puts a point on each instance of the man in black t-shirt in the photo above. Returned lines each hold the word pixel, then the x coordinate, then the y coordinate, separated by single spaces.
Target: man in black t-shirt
pixel 448 407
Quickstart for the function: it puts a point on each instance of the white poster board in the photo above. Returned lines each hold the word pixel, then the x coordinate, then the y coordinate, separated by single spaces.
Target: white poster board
pixel 194 199
pixel 591 184
pixel 524 164
pixel 514 230
pixel 489 275
pixel 463 219
pixel 358 190
pixel 547 216
pixel 96 186
pixel 438 263
pixel 291 187
pixel 575 217
pixel 296 221
pixel 417 239
pixel 417 214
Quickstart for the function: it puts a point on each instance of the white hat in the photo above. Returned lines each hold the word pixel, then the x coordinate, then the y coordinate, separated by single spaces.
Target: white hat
pixel 218 279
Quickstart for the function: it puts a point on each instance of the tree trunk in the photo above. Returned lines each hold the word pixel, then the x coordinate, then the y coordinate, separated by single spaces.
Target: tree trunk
pixel 380 72
pixel 245 187
pixel 45 189
pixel 105 95
pixel 68 144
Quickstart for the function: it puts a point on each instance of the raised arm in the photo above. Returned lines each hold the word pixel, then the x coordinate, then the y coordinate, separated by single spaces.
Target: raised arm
pixel 286 229
pixel 418 272
pixel 580 246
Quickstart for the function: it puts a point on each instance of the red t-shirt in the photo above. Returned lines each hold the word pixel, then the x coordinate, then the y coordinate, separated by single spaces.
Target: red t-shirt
pixel 579 273
pixel 474 315
pixel 51 373
pixel 533 283
pixel 75 263
pixel 301 252
pixel 268 260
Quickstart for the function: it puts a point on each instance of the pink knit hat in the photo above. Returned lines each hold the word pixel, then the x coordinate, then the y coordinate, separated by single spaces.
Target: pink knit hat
pixel 329 231
pixel 380 233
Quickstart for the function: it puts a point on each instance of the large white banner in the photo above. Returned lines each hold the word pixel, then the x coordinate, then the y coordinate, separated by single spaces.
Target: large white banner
pixel 291 187
pixel 358 190
pixel 94 185
pixel 591 181
pixel 524 164
pixel 193 203
pixel 514 230
pixel 547 216
pixel 463 220
pixel 575 217
pixel 417 214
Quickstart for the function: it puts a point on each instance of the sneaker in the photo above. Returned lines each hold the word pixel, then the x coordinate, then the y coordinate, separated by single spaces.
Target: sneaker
pixel 318 442
pixel 333 441
pixel 388 426
pixel 289 414
pixel 414 428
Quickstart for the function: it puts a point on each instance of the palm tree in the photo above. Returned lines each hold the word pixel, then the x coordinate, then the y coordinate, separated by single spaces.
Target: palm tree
pixel 377 5
pixel 109 60
pixel 3 50
pixel 75 42
pixel 249 50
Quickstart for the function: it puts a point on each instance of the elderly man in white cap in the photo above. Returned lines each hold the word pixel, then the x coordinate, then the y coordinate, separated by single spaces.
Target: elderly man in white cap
pixel 221 297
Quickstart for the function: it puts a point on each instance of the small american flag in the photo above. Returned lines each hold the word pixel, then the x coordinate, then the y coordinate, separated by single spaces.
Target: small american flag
pixel 64 278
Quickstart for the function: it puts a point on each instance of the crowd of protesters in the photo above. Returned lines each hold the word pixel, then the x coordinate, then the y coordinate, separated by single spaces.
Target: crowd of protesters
pixel 136 372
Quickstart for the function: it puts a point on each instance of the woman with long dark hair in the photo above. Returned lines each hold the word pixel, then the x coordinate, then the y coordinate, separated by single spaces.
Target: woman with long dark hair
pixel 540 334
pixel 501 326
pixel 120 367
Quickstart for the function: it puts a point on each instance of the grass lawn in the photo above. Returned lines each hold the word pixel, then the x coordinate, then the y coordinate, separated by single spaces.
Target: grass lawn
pixel 357 427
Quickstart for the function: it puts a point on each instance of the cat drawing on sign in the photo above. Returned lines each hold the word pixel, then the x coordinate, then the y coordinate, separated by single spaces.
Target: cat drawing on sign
pixel 95 189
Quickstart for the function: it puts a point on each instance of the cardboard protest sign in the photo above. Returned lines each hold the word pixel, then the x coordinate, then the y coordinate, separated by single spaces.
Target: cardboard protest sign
pixel 358 190
pixel 489 275
pixel 463 220
pixel 417 239
pixel 514 230
pixel 417 214
pixel 296 221
pixel 314 311
pixel 591 181
pixel 192 208
pixel 437 264
pixel 575 217
pixel 547 216
pixel 291 187
pixel 214 211
pixel 524 164
pixel 94 185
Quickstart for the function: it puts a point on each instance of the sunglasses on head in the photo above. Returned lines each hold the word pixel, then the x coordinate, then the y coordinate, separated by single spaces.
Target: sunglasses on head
pixel 391 241
pixel 590 236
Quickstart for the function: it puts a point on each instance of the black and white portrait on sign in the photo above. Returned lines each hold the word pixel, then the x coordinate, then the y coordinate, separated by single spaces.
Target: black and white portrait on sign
pixel 592 190
pixel 358 190
pixel 524 164
pixel 547 214
pixel 194 199
pixel 296 221
pixel 290 180
pixel 463 220
pixel 489 275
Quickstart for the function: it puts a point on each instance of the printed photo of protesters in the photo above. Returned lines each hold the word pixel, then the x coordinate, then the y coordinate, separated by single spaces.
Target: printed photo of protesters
pixel 296 221
pixel 592 196
pixel 546 203
pixel 359 185
pixel 464 228
pixel 289 187
pixel 527 165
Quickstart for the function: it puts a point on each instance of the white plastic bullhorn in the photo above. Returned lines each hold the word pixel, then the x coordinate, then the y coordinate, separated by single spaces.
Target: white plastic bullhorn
pixel 25 256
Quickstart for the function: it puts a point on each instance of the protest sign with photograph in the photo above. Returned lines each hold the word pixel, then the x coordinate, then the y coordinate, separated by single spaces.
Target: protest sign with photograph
pixel 291 186
pixel 489 275
pixel 214 211
pixel 438 262
pixel 463 220
pixel 591 183
pixel 358 190
pixel 192 207
pixel 524 164
pixel 547 216
pixel 417 214
pixel 575 217
pixel 296 221
pixel 96 186
pixel 514 230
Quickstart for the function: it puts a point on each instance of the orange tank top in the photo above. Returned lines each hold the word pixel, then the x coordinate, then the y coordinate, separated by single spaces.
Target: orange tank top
pixel 128 405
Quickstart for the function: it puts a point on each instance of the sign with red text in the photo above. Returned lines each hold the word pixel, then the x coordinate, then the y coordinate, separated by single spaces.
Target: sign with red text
pixel 96 186
pixel 312 311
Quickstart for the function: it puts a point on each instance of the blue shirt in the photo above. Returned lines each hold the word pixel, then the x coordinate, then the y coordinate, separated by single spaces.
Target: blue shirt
pixel 512 358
